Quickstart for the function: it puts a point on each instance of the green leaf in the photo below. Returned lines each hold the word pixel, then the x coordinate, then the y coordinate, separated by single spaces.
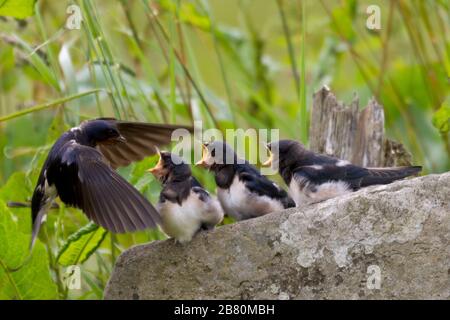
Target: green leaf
pixel 16 189
pixel 36 61
pixel 188 14
pixel 81 245
pixel 19 9
pixel 441 118
pixel 22 277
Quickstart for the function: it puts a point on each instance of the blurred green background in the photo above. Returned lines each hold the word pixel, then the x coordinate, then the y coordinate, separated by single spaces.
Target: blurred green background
pixel 231 64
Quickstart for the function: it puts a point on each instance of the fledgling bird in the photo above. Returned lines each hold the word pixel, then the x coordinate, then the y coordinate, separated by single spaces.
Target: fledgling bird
pixel 314 177
pixel 242 190
pixel 80 170
pixel 184 205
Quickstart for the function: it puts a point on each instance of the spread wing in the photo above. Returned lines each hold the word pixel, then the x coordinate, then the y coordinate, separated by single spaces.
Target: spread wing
pixel 84 180
pixel 141 141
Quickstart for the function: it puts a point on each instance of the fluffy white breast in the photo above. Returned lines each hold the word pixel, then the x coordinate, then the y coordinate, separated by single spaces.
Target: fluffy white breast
pixel 296 193
pixel 303 192
pixel 183 222
pixel 241 204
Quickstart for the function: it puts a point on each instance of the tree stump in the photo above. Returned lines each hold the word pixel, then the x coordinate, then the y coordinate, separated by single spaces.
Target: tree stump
pixel 352 133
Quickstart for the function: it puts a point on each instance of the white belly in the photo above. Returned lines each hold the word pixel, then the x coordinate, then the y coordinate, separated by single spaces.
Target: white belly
pixel 305 195
pixel 239 203
pixel 183 222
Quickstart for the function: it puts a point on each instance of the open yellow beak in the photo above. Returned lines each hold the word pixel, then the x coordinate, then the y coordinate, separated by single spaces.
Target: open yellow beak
pixel 203 161
pixel 268 163
pixel 159 167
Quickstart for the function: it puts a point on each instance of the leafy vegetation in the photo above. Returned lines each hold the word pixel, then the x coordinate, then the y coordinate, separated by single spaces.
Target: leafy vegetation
pixel 17 8
pixel 22 276
pixel 230 64
pixel 81 245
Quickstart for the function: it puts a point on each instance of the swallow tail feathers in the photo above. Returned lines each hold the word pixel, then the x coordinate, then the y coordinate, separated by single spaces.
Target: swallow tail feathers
pixel 388 175
pixel 40 204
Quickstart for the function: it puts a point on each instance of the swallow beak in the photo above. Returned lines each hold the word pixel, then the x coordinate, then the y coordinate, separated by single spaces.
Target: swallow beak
pixel 204 160
pixel 268 163
pixel 158 169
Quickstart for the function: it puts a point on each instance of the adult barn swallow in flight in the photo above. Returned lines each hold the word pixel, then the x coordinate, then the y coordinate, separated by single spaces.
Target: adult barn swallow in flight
pixel 242 190
pixel 184 205
pixel 80 170
pixel 314 177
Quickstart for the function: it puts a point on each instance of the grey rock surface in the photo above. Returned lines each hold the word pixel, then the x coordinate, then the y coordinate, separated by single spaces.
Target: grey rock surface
pixel 382 242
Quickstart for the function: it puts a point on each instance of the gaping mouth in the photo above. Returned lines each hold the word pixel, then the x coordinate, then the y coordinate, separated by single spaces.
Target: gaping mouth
pixel 268 163
pixel 158 170
pixel 204 160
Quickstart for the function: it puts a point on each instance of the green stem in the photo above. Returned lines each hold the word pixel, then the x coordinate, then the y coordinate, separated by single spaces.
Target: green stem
pixel 213 30
pixel 153 17
pixel 287 35
pixel 53 266
pixel 303 107
pixel 48 105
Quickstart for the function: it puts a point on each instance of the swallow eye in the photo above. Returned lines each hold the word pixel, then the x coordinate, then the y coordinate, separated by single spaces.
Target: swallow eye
pixel 213 152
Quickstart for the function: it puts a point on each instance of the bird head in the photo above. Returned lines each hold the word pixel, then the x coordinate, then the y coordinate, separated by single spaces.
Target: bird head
pixel 216 154
pixel 282 152
pixel 170 167
pixel 102 131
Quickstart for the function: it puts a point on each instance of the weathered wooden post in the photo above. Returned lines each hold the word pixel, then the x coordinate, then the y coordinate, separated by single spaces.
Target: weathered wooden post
pixel 352 133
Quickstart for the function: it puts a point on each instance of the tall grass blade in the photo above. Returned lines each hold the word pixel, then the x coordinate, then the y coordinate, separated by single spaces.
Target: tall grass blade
pixel 48 105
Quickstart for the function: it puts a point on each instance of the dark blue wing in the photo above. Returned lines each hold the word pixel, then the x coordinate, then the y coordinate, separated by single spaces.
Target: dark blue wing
pixel 355 176
pixel 259 184
pixel 84 180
